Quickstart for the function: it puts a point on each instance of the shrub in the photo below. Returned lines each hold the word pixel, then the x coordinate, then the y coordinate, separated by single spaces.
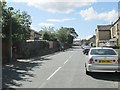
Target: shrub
pixel 45 44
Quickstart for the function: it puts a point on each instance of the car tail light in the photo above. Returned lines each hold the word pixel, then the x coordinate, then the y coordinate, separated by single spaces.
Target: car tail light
pixel 118 61
pixel 90 61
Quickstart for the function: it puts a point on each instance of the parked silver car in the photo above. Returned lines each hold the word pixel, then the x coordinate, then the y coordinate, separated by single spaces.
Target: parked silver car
pixel 101 59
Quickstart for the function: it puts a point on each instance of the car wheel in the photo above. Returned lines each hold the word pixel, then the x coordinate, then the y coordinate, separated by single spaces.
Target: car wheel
pixel 87 72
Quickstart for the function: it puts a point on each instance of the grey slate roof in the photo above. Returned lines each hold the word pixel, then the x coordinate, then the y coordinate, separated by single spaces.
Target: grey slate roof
pixel 104 27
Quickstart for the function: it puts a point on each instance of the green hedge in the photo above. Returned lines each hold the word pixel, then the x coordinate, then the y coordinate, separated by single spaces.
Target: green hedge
pixel 45 44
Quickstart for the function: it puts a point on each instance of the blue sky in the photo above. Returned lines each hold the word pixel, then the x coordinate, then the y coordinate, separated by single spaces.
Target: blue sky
pixel 83 16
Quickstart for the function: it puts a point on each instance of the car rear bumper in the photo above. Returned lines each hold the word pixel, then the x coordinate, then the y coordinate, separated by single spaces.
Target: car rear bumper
pixel 103 68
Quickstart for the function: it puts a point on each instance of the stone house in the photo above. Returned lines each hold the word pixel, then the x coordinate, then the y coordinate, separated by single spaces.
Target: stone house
pixel 35 35
pixel 92 40
pixel 103 34
pixel 84 42
pixel 115 33
pixel 108 35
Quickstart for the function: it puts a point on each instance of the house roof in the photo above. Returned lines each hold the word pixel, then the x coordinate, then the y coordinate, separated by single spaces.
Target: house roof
pixel 104 27
pixel 116 21
pixel 93 37
pixel 35 31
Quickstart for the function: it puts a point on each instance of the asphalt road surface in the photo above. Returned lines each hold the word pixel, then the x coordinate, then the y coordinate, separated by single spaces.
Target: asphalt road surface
pixel 60 70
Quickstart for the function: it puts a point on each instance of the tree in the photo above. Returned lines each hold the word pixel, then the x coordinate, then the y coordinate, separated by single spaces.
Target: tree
pixel 21 22
pixel 66 35
pixel 46 36
pixel 62 35
pixel 49 33
pixel 70 39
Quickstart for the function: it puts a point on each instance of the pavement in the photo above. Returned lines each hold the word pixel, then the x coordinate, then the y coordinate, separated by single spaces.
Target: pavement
pixel 59 70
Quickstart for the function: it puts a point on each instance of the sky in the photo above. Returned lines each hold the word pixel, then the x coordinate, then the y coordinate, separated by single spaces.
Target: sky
pixel 82 15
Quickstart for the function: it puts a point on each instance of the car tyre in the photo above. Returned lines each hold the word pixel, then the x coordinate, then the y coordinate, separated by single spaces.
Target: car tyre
pixel 87 72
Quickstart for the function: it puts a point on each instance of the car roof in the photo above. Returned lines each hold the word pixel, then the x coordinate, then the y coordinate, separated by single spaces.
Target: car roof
pixel 87 46
pixel 101 48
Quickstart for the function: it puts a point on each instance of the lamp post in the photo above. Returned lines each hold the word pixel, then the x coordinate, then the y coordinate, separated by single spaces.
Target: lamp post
pixel 10 34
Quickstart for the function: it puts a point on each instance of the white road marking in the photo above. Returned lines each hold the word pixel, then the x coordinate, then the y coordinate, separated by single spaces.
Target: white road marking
pixel 59 68
pixel 54 73
pixel 68 59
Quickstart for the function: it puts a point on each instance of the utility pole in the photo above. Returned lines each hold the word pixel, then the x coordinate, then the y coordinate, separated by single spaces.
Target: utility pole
pixel 10 33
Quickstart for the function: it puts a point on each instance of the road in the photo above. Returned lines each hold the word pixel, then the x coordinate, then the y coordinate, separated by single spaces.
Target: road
pixel 60 70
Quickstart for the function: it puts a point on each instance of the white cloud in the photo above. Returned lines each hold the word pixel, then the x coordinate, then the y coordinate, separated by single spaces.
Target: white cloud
pixel 60 20
pixel 51 1
pixel 91 14
pixel 17 1
pixel 46 24
pixel 57 6
pixel 62 0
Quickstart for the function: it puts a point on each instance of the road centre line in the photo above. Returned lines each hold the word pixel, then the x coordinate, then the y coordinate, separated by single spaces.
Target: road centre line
pixel 54 73
pixel 68 59
pixel 59 68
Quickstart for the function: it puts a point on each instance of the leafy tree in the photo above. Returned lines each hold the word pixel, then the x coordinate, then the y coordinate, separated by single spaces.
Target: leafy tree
pixel 70 39
pixel 46 36
pixel 20 22
pixel 48 32
pixel 66 35
pixel 62 35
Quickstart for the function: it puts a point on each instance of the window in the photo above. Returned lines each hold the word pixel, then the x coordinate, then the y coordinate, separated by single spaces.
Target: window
pixel 103 52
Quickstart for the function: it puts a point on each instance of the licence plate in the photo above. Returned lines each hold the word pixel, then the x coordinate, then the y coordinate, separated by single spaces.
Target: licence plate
pixel 105 61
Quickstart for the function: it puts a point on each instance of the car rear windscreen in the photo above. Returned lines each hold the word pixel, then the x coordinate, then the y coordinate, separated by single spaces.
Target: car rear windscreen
pixel 102 52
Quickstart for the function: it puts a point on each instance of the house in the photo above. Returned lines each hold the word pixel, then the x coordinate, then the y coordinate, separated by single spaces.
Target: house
pixel 35 35
pixel 92 40
pixel 103 34
pixel 76 42
pixel 115 33
pixel 84 42
pixel 108 35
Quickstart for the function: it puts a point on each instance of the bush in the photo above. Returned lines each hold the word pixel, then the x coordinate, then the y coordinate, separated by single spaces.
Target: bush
pixel 45 44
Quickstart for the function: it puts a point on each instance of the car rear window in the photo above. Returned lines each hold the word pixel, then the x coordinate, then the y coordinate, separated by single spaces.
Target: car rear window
pixel 102 52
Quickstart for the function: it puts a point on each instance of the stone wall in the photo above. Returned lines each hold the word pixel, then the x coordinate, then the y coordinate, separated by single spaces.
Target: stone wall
pixel 35 48
pixel 31 49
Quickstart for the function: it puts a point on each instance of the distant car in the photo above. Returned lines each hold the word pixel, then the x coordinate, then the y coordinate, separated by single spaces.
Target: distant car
pixel 102 59
pixel 83 47
pixel 86 50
